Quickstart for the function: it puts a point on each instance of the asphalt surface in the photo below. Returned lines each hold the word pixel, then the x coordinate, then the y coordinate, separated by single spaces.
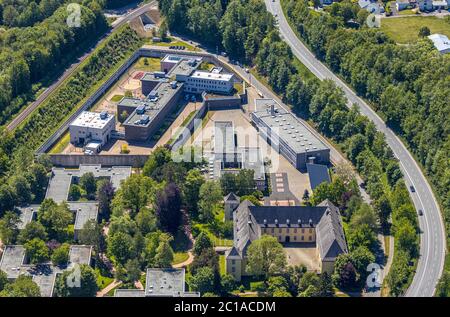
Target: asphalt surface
pixel 432 242
pixel 114 26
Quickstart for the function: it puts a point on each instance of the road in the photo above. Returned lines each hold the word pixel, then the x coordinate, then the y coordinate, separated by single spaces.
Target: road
pixel 432 242
pixel 114 26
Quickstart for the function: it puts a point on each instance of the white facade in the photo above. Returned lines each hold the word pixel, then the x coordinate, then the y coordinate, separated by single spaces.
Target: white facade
pixel 201 81
pixel 92 126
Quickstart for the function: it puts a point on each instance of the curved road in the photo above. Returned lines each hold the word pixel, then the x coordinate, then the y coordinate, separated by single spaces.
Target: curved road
pixel 432 242
pixel 116 24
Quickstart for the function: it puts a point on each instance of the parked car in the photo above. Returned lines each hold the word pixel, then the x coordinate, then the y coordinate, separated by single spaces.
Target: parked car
pixel 413 190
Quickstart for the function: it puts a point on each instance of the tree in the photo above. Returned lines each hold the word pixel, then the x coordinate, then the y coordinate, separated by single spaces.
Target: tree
pixel 191 189
pixel 120 247
pixel 22 189
pixel 88 183
pixel 203 280
pixel 133 271
pixel 3 280
pixel 8 227
pixel 146 221
pixel 37 251
pixel 32 230
pixel 309 279
pixel 406 238
pixel 91 234
pixel 136 192
pixel 23 286
pixel 202 243
pixel 168 209
pixel 164 255
pixel 325 288
pixel 265 257
pixel 74 192
pixel 210 195
pixel 442 289
pixel 345 275
pixel 277 285
pixel 88 284
pixel 157 159
pixel 424 31
pixel 55 218
pixel 305 197
pixel 105 194
pixel 255 201
pixel 60 256
pixel 364 215
pixel 228 284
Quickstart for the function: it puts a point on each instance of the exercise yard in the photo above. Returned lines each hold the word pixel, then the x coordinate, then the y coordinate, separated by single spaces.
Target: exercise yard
pixel 406 29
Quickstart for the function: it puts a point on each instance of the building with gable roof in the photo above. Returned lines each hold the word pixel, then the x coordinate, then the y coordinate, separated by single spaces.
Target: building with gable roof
pixel 300 225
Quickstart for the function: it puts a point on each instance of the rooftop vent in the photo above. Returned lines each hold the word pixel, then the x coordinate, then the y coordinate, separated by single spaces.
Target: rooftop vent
pixel 276 221
pixel 288 222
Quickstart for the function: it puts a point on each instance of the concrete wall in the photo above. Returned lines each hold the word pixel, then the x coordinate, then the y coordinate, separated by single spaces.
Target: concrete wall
pixel 74 160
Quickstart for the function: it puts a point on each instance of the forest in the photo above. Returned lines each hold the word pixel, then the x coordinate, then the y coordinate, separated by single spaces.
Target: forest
pixel 37 47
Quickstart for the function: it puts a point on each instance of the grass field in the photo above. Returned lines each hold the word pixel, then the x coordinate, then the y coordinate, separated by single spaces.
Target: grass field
pixel 222 267
pixel 61 144
pixel 116 98
pixel 179 257
pixel 148 64
pixel 176 43
pixel 406 30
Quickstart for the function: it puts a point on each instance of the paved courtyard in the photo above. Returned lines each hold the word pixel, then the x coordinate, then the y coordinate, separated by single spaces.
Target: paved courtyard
pixel 306 255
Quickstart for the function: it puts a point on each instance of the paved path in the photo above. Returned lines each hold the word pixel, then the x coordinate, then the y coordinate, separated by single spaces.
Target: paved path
pixel 432 242
pixel 111 286
pixel 185 263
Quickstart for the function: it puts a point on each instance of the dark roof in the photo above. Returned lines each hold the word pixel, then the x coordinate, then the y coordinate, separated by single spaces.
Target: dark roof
pixel 318 174
pixel 248 220
pixel 330 234
pixel 284 216
pixel 231 197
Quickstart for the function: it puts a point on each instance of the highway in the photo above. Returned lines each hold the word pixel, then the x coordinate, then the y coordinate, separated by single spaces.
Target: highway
pixel 47 92
pixel 432 242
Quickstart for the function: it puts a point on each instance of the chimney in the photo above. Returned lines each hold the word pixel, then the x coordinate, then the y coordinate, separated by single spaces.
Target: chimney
pixel 272 109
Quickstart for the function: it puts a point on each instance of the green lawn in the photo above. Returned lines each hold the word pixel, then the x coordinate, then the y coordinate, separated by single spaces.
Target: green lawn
pixel 179 257
pixel 188 47
pixel 406 29
pixel 102 281
pixel 116 98
pixel 61 144
pixel 148 64
pixel 222 267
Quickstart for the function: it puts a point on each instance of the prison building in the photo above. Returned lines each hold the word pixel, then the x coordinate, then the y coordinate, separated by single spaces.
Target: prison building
pixel 228 157
pixel 145 117
pixel 213 81
pixel 299 225
pixel 92 126
pixel 150 80
pixel 287 135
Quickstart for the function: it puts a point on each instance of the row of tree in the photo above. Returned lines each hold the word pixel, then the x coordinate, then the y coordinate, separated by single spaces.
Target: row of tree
pixel 409 85
pixel 21 13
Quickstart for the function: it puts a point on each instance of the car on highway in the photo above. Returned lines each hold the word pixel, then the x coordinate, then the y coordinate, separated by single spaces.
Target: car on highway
pixel 412 189
pixel 420 212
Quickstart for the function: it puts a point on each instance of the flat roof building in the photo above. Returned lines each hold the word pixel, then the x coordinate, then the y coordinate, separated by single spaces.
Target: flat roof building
pixel 441 42
pixel 147 116
pixel 61 178
pixel 167 282
pixel 213 81
pixel 317 174
pixel 288 135
pixel 92 126
pixel 13 263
